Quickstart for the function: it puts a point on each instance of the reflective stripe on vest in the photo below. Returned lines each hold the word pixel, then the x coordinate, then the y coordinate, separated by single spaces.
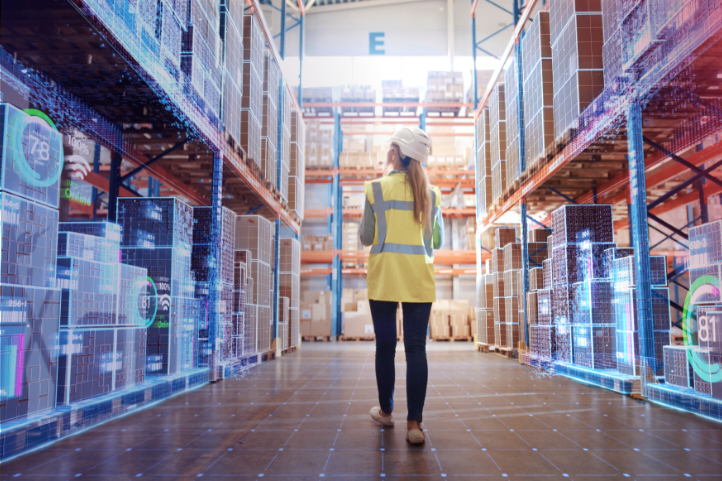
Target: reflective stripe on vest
pixel 380 206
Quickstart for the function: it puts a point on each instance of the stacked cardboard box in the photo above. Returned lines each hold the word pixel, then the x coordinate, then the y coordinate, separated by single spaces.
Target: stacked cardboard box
pixel 252 99
pixel 350 240
pixel 513 96
pixel 359 160
pixel 450 319
pixel 104 314
pixel 269 120
pixel 254 248
pixel 232 37
pixel 694 365
pixel 613 43
pixel 483 162
pixel 357 321
pixel 624 282
pixel 200 56
pixel 28 294
pixel 394 91
pixel 317 243
pixel 289 281
pixel 577 41
pixel 357 94
pixel 202 268
pixel 319 145
pixel 538 91
pixel 485 309
pixel 158 236
pixel 316 316
pixel 284 140
pixel 497 132
pixel 297 172
pixel 444 87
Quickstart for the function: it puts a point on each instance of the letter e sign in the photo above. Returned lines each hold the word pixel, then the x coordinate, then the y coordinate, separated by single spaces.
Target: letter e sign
pixel 376 43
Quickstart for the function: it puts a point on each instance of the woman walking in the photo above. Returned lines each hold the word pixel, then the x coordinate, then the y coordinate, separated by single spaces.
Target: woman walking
pixel 402 223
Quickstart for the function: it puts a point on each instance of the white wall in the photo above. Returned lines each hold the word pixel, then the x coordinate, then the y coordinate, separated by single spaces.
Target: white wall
pixel 411 29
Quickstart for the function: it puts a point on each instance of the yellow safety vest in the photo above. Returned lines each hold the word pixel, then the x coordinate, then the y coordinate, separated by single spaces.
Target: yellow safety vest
pixel 401 263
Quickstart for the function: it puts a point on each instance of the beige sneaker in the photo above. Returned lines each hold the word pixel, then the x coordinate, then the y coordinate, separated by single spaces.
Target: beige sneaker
pixel 415 436
pixel 386 421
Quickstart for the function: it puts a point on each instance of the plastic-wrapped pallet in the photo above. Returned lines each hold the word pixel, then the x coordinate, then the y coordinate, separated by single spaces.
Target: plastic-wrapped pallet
pixel 269 123
pixel 483 172
pixel 538 90
pixel 577 40
pixel 497 133
pixel 284 142
pixel 296 179
pixel 200 56
pixel 29 194
pixel 290 285
pixel 232 31
pixel 158 236
pixel 104 315
pixel 252 99
pixel 513 96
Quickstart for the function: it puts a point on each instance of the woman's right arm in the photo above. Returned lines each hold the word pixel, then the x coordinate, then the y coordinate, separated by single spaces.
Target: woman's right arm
pixel 367 227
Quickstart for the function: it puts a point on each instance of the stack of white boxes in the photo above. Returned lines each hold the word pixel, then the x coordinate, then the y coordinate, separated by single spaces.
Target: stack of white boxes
pixel 253 234
pixel 289 272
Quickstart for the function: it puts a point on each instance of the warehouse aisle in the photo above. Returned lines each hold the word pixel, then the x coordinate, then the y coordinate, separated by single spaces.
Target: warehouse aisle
pixel 305 416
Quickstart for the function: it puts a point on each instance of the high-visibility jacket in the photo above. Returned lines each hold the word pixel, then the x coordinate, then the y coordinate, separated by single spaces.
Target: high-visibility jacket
pixel 401 263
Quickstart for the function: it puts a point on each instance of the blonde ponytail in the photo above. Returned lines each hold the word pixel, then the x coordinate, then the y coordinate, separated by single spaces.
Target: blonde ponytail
pixel 419 183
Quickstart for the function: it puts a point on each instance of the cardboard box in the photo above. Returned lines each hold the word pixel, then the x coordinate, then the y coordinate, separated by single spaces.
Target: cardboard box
pixel 321 328
pixel 438 331
pixel 349 307
pixel 360 294
pixel 306 327
pixel 459 320
pixel 439 320
pixel 305 312
pixel 358 324
pixel 460 331
pixel 319 313
pixel 363 306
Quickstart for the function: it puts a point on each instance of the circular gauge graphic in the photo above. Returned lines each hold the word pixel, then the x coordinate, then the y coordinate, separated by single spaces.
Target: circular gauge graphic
pixel 698 327
pixel 39 146
pixel 146 296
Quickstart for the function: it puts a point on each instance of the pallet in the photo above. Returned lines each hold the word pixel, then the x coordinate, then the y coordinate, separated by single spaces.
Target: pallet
pixel 483 347
pixel 507 352
pixel 357 339
pixel 316 338
pixel 452 339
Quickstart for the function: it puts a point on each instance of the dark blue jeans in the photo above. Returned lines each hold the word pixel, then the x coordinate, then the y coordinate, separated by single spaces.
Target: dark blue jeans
pixel 416 322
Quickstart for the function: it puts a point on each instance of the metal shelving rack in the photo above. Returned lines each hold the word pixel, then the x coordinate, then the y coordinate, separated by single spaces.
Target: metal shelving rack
pixel 338 177
pixel 636 117
pixel 99 59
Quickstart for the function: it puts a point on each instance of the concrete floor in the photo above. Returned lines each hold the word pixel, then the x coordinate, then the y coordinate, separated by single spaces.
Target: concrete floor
pixel 305 416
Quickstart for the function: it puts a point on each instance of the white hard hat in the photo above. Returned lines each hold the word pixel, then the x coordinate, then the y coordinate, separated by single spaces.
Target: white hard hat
pixel 413 142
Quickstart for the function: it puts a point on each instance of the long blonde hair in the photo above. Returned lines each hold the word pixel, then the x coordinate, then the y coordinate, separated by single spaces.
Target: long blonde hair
pixel 419 183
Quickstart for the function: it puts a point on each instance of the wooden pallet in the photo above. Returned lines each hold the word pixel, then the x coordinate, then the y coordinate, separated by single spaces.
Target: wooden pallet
pixel 316 338
pixel 483 347
pixel 452 339
pixel 357 339
pixel 507 352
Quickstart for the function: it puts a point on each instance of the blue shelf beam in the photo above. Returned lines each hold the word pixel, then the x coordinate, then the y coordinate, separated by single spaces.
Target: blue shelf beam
pixel 336 228
pixel 638 226
pixel 567 198
pixel 214 278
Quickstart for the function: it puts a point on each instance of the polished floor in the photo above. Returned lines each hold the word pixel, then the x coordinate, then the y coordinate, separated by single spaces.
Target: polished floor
pixel 305 416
